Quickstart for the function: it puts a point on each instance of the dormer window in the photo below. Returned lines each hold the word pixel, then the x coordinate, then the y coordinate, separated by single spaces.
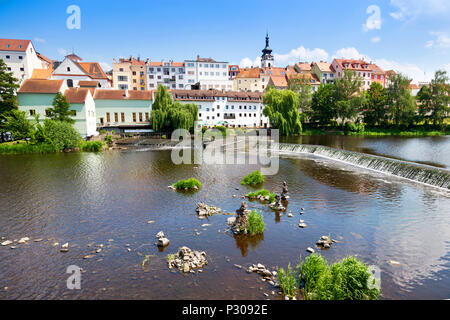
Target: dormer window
pixel 68 69
pixel 20 46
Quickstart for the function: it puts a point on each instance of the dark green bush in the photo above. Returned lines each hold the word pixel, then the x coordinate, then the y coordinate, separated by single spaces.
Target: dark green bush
pixel 61 134
pixel 262 192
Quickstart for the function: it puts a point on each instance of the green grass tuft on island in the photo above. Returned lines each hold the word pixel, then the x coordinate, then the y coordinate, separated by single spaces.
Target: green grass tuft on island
pixel 348 279
pixel 189 184
pixel 92 146
pixel 255 223
pixel 264 193
pixel 253 179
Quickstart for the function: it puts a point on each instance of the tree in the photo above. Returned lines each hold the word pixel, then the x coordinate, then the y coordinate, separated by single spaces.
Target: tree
pixel 17 124
pixel 402 105
pixel 347 95
pixel 303 88
pixel 168 115
pixel 434 99
pixel 8 87
pixel 61 109
pixel 375 112
pixel 322 104
pixel 282 111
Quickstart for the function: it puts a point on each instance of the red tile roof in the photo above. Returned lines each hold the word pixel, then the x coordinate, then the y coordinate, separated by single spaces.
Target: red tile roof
pixel 42 57
pixel 93 69
pixel 355 65
pixel 279 81
pixel 105 94
pixel 303 66
pixel 249 73
pixel 323 66
pixel 76 95
pixel 42 73
pixel 376 69
pixel 90 84
pixel 41 86
pixel 14 45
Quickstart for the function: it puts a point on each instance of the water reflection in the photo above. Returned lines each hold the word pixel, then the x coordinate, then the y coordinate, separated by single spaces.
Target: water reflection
pixel 243 242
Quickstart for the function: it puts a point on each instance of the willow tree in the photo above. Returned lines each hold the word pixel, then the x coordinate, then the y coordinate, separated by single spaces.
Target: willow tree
pixel 168 115
pixel 282 111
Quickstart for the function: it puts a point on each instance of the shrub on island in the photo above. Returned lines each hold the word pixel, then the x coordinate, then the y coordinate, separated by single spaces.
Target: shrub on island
pixel 92 146
pixel 255 223
pixel 188 185
pixel 253 179
pixel 262 193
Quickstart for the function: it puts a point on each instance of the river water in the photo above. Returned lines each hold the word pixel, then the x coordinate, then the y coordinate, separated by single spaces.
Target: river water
pixel 91 199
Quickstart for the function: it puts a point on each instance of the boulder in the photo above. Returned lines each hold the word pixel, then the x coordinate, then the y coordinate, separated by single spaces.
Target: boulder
pixel 6 243
pixel 163 242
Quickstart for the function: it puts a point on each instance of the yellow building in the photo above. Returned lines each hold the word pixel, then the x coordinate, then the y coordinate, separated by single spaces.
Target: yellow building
pixel 130 74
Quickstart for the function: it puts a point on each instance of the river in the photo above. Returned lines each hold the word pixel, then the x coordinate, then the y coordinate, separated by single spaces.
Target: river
pixel 107 199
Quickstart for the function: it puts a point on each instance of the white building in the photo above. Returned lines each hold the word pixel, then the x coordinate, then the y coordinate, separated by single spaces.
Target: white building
pixel 170 74
pixel 72 70
pixel 20 57
pixel 231 109
pixel 210 74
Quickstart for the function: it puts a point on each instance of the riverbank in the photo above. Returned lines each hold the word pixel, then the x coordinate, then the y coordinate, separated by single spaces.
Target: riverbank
pixel 367 132
pixel 22 147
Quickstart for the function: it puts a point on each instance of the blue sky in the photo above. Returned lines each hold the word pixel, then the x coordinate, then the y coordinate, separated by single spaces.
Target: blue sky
pixel 412 36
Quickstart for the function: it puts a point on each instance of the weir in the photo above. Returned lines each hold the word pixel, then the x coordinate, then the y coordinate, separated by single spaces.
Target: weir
pixel 436 177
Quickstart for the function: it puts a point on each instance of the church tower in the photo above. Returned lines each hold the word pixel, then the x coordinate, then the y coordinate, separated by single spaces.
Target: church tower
pixel 267 60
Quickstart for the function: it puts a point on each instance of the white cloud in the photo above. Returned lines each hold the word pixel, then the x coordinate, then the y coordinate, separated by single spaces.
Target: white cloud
pixel 62 52
pixel 412 71
pixel 350 53
pixel 442 40
pixel 105 66
pixel 248 63
pixel 375 39
pixel 410 9
pixel 41 40
pixel 301 54
pixel 374 20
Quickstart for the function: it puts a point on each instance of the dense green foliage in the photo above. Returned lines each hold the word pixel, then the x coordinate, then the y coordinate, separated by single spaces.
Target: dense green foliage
pixel 302 86
pixel 61 109
pixel 61 134
pixel 348 279
pixel 189 184
pixel 92 146
pixel 434 99
pixel 168 115
pixel 393 108
pixel 255 223
pixel 17 124
pixel 263 192
pixel 282 111
pixel 8 99
pixel 253 179
pixel 287 280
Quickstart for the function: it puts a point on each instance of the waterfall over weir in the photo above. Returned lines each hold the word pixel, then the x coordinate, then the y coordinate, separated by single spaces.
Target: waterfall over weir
pixel 416 172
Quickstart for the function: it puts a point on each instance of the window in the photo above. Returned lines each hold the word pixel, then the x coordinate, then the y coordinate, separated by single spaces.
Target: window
pixel 47 112
pixel 123 78
pixel 8 57
pixel 218 115
pixel 70 83
pixel 20 57
pixel 134 73
pixel 121 69
pixel 134 116
pixel 22 69
pixel 199 115
pixel 122 116
pixel 140 117
pixel 147 116
pixel 32 112
pixel 116 117
pixel 68 69
pixel 108 118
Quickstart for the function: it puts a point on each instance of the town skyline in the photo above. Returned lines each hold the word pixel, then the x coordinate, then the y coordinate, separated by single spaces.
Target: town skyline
pixel 378 31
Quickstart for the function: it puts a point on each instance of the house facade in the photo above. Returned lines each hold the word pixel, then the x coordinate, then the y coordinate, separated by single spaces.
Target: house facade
pixel 122 108
pixel 130 74
pixel 20 57
pixel 230 108
pixel 323 71
pixel 210 74
pixel 73 70
pixel 360 67
pixel 36 96
pixel 170 74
